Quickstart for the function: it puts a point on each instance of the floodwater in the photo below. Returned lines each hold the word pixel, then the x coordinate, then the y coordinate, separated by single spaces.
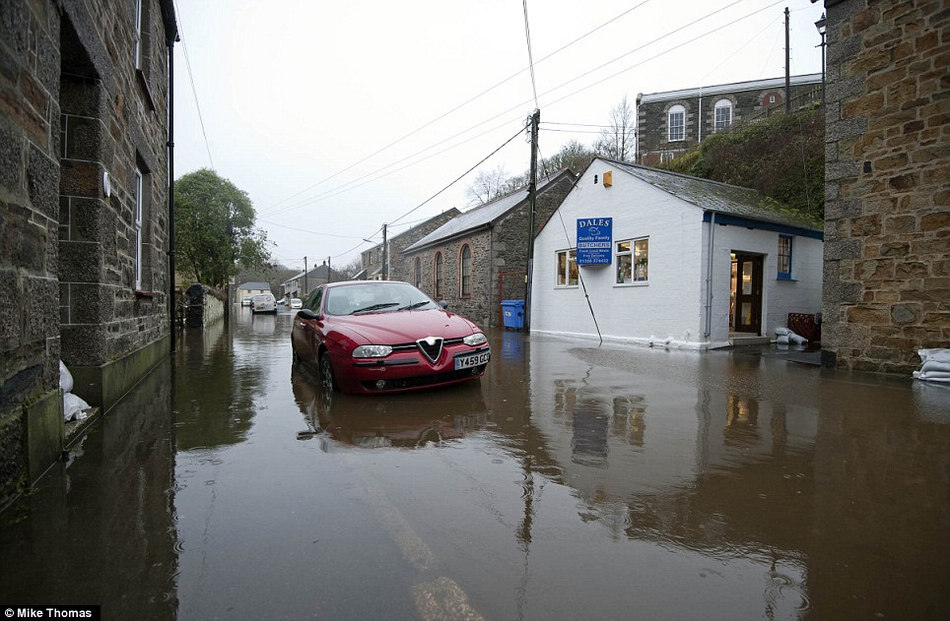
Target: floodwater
pixel 571 482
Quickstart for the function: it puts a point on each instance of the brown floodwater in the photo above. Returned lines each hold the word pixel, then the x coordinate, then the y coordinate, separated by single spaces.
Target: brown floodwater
pixel 572 481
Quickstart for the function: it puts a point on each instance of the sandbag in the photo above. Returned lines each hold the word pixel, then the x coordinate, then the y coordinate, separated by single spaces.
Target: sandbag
pixel 65 378
pixel 74 407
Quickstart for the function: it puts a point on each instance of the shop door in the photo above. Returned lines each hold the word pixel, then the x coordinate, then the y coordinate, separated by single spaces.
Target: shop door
pixel 746 293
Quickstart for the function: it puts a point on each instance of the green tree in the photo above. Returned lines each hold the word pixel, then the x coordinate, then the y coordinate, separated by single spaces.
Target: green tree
pixel 215 234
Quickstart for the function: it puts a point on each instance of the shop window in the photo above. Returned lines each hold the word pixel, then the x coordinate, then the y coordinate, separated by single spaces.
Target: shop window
pixel 567 268
pixel 633 261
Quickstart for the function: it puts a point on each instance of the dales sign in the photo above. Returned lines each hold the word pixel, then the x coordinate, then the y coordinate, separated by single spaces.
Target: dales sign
pixel 594 241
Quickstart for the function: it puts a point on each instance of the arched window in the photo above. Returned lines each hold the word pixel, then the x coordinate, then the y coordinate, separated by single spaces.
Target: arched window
pixel 417 272
pixel 465 271
pixel 437 273
pixel 723 115
pixel 677 123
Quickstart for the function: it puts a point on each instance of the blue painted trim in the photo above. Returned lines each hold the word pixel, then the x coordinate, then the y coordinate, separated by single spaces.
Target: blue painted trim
pixel 749 223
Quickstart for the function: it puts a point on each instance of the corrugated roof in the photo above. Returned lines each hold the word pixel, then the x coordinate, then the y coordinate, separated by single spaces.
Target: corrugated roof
pixel 720 197
pixel 483 215
pixel 735 87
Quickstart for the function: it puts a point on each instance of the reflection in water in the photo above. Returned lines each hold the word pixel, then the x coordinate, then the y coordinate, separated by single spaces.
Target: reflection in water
pixel 407 420
pixel 100 529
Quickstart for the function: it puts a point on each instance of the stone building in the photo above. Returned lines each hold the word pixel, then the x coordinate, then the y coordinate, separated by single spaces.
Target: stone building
pixel 372 259
pixel 887 184
pixel 671 123
pixel 479 258
pixel 83 212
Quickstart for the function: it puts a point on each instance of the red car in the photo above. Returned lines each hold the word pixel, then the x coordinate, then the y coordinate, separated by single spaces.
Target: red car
pixel 379 336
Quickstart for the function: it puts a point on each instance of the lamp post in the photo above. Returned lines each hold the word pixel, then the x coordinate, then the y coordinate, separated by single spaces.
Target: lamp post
pixel 820 25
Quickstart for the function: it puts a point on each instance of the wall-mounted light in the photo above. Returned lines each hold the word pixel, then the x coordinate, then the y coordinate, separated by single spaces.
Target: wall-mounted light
pixel 106 184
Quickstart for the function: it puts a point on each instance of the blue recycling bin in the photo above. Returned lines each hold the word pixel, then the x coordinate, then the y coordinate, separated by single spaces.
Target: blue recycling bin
pixel 512 312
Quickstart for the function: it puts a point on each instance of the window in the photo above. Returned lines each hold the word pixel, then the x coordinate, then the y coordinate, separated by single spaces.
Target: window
pixel 567 268
pixel 677 123
pixel 417 272
pixel 723 115
pixel 633 259
pixel 138 34
pixel 465 271
pixel 137 191
pixel 784 257
pixel 438 275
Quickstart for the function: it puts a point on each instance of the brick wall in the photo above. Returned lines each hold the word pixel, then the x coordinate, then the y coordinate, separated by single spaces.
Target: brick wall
pixel 887 194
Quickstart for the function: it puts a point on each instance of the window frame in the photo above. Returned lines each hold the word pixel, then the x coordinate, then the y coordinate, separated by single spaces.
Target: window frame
pixel 720 126
pixel 138 197
pixel 784 257
pixel 438 275
pixel 465 280
pixel 620 256
pixel 562 279
pixel 679 110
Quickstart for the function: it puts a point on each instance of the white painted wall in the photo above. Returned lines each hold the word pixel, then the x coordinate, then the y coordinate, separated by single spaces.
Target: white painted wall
pixel 666 308
pixel 671 308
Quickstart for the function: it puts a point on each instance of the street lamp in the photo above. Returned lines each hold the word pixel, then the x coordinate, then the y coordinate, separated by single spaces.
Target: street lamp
pixel 820 25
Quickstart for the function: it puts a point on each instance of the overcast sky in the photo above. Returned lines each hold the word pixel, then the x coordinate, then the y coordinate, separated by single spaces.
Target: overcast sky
pixel 336 117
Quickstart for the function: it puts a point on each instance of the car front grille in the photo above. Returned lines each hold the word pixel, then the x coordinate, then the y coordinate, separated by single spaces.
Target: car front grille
pixel 425 380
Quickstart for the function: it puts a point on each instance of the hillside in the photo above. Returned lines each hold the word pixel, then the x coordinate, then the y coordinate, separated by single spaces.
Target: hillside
pixel 782 156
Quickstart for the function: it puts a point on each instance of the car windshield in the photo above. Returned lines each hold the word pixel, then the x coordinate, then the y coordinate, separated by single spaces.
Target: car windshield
pixel 376 297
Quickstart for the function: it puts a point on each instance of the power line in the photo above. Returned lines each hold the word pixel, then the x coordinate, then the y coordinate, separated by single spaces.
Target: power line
pixel 458 107
pixel 527 34
pixel 194 91
pixel 457 179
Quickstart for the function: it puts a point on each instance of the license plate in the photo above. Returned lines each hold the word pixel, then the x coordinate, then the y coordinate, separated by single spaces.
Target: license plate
pixel 473 360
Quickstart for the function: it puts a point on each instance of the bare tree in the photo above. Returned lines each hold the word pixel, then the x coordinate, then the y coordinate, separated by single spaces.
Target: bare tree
pixel 488 185
pixel 619 140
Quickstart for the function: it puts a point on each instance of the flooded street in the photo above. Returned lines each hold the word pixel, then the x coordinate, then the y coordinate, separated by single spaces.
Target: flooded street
pixel 571 482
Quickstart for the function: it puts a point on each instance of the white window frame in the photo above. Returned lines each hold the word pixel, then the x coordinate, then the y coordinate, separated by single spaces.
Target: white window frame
pixel 723 115
pixel 631 270
pixel 676 111
pixel 138 227
pixel 563 261
pixel 138 34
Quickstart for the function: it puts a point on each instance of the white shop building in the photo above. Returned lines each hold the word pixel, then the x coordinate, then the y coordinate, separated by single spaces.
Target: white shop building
pixel 640 255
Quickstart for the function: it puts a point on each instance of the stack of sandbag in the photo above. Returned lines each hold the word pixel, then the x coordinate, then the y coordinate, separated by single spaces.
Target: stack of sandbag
pixel 74 407
pixel 784 336
pixel 936 365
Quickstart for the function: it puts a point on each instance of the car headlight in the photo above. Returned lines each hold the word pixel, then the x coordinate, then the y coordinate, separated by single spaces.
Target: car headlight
pixel 372 351
pixel 476 339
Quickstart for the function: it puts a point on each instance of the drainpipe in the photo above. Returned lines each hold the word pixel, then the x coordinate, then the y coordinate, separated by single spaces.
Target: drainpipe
pixel 172 302
pixel 709 272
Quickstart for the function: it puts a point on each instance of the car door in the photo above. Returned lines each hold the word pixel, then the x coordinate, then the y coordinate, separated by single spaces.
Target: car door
pixel 307 325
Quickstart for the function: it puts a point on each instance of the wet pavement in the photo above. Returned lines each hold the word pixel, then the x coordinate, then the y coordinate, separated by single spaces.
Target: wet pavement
pixel 572 481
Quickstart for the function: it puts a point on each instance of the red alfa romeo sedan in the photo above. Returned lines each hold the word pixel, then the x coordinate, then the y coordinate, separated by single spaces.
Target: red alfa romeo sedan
pixel 380 336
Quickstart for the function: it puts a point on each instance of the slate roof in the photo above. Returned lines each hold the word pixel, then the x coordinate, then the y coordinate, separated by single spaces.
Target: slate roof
pixel 483 215
pixel 254 285
pixel 735 87
pixel 720 197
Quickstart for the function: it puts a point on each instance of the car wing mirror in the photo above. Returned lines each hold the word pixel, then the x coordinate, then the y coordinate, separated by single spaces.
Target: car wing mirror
pixel 308 314
pixel 443 304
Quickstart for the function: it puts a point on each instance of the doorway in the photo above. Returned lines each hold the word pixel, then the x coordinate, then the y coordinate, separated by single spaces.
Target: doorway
pixel 745 300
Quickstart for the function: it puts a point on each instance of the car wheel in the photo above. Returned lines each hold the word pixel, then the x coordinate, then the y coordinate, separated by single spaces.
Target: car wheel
pixel 327 380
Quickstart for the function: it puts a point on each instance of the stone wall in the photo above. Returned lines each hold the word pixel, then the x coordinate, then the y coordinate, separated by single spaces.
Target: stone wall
pixel 77 118
pixel 653 124
pixel 887 193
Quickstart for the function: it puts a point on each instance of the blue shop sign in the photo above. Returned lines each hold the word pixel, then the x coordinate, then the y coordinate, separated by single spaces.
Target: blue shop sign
pixel 594 241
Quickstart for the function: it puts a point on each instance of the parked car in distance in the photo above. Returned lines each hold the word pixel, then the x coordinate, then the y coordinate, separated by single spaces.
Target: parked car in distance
pixel 296 303
pixel 263 303
pixel 385 336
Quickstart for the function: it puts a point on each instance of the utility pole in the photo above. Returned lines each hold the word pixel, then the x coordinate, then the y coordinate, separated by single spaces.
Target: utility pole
pixel 385 256
pixel 788 76
pixel 532 205
pixel 329 273
pixel 305 292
